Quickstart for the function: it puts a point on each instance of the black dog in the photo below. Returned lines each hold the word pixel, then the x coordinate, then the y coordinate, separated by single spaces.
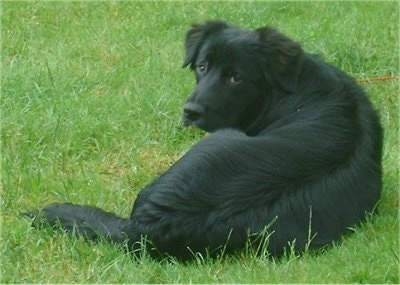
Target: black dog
pixel 294 156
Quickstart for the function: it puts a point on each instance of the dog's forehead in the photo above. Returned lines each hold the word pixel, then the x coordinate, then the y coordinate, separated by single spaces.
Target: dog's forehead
pixel 229 43
pixel 235 34
pixel 232 38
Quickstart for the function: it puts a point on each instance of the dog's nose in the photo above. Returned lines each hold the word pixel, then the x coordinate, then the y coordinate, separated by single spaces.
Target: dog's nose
pixel 193 111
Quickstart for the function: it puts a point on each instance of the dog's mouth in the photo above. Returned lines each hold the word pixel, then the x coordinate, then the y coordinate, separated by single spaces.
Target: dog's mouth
pixel 187 122
pixel 200 123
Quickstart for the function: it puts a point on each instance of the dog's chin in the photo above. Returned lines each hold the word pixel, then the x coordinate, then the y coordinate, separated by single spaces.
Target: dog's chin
pixel 199 124
pixel 191 123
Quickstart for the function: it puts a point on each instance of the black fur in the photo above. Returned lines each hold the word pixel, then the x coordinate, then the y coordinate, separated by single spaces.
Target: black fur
pixel 295 152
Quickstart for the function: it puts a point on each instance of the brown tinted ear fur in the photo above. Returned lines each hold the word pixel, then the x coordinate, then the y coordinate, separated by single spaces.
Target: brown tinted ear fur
pixel 196 36
pixel 282 57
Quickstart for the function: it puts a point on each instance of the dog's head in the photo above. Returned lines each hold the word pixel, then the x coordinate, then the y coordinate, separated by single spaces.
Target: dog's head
pixel 238 74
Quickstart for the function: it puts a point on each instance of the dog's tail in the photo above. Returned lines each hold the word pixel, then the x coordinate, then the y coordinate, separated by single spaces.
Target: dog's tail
pixel 90 222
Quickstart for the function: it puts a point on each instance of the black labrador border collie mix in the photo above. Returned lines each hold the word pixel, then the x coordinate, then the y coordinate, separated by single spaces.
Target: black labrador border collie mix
pixel 293 158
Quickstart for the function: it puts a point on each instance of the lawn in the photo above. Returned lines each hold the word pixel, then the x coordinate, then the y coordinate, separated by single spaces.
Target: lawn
pixel 91 101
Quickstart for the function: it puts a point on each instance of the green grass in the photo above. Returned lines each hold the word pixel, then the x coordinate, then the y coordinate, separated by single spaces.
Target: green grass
pixel 91 99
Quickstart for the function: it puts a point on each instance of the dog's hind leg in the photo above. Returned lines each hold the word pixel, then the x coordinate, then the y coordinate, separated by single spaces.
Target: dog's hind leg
pixel 90 222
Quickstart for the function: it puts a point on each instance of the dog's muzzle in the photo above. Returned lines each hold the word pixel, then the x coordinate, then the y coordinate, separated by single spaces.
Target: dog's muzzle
pixel 192 112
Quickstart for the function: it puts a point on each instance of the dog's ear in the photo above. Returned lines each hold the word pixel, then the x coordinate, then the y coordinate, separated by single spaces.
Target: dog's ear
pixel 196 36
pixel 282 57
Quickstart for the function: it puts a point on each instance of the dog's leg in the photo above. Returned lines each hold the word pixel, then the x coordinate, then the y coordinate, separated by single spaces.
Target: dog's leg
pixel 91 222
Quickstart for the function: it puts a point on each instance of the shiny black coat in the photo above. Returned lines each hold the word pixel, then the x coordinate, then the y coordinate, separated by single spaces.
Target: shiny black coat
pixel 294 155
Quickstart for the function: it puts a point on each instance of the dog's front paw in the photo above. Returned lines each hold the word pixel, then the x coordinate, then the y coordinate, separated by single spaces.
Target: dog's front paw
pixel 46 216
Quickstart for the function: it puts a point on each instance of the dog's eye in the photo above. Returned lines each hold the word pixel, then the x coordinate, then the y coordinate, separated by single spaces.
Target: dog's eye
pixel 202 69
pixel 236 78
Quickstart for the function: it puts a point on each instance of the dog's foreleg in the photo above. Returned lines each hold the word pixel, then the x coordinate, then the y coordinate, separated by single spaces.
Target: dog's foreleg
pixel 90 222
